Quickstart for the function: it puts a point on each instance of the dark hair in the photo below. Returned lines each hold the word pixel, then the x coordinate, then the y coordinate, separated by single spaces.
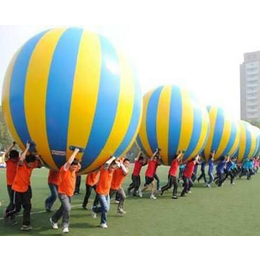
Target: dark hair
pixel 30 158
pixel 112 163
pixel 75 162
pixel 126 160
pixel 222 158
pixel 141 158
pixel 13 154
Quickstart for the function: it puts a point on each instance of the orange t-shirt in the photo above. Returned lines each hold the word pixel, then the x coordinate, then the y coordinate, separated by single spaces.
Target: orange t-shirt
pixel 11 168
pixel 92 178
pixel 54 177
pixel 67 182
pixel 118 178
pixel 23 175
pixel 104 183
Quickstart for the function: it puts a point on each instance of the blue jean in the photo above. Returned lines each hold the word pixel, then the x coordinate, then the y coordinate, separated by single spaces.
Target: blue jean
pixel 63 211
pixel 211 177
pixel 104 201
pixel 52 198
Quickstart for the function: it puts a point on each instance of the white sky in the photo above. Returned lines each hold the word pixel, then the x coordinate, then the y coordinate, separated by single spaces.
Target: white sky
pixel 198 45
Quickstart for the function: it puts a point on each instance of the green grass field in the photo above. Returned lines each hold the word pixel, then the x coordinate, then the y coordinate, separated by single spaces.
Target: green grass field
pixel 230 210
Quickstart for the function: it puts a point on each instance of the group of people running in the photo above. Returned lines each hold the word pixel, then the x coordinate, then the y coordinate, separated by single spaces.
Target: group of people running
pixel 107 182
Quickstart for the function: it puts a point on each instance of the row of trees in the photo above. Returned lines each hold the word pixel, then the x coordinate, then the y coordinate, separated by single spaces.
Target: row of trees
pixel 5 137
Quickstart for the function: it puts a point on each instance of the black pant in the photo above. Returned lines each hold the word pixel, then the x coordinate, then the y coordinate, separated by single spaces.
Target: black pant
pixel 157 181
pixel 172 180
pixel 202 175
pixel 88 194
pixel 136 182
pixel 249 174
pixel 22 199
pixel 11 205
pixel 228 173
pixel 194 177
pixel 187 184
pixel 77 187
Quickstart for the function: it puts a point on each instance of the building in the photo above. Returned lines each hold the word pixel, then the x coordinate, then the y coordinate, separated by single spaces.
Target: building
pixel 250 87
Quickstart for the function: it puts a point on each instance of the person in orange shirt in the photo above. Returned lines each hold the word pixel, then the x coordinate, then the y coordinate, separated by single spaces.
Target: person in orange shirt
pixel 21 187
pixel 66 191
pixel 11 160
pixel 91 181
pixel 53 182
pixel 153 163
pixel 116 185
pixel 102 190
pixel 140 161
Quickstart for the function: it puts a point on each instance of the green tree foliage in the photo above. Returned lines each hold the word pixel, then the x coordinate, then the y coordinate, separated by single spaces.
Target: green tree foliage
pixel 5 137
pixel 255 123
pixel 132 153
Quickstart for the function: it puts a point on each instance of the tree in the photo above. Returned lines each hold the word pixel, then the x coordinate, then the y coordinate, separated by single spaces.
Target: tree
pixel 5 137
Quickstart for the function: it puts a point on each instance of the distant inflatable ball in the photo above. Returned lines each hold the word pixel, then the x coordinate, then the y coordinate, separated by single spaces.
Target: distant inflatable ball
pixel 224 134
pixel 172 120
pixel 256 131
pixel 69 87
pixel 247 143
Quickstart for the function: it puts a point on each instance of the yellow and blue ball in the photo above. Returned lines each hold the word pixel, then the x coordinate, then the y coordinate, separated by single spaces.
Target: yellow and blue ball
pixel 172 120
pixel 224 134
pixel 70 87
pixel 248 142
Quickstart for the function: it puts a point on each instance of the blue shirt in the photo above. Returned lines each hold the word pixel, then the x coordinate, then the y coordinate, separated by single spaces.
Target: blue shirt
pixel 229 165
pixel 246 165
pixel 221 167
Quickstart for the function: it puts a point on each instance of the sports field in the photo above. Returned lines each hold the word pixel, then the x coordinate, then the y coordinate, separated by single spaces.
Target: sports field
pixel 230 210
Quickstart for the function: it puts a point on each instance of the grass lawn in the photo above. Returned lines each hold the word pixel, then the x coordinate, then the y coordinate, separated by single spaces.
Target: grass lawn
pixel 230 210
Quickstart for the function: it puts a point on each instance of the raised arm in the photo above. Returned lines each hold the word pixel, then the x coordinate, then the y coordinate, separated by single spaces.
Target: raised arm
pixel 138 156
pixel 71 159
pixel 9 149
pixel 23 155
pixel 155 153
pixel 107 163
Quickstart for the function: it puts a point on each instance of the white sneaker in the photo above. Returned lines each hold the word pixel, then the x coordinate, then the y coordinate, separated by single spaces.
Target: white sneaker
pixel 94 214
pixel 140 194
pixel 103 225
pixel 54 225
pixel 121 212
pixel 65 230
pixel 153 197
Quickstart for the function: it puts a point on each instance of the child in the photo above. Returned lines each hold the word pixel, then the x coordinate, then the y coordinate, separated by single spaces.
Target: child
pixel 202 169
pixel 228 170
pixel 65 191
pixel 211 169
pixel 150 172
pixel 172 178
pixel 116 185
pixel 102 190
pixel 91 181
pixel 140 161
pixel 11 159
pixel 21 187
pixel 221 170
pixel 53 182
pixel 187 174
